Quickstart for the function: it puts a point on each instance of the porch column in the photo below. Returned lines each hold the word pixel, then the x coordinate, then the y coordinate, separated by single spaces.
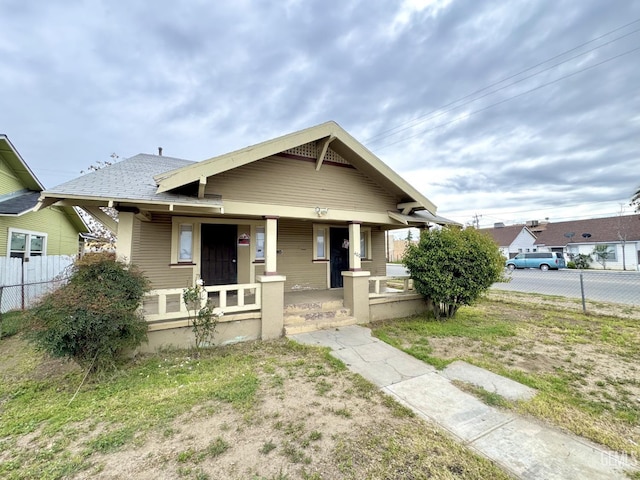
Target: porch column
pixel 272 299
pixel 356 294
pixel 355 281
pixel 125 236
pixel 355 263
pixel 270 245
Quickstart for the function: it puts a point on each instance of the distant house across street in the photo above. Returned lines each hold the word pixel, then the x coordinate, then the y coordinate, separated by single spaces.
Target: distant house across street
pixel 621 235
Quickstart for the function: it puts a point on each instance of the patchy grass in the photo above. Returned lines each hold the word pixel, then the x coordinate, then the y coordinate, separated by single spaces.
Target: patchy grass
pixel 585 367
pixel 11 323
pixel 272 410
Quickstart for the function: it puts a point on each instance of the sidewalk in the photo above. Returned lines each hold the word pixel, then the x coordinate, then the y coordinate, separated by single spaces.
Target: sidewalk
pixel 525 448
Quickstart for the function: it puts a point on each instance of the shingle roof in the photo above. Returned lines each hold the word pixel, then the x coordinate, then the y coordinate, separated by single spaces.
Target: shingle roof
pixel 601 230
pixel 504 236
pixel 19 204
pixel 130 180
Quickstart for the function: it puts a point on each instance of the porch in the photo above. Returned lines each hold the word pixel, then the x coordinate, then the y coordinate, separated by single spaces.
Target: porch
pixel 264 310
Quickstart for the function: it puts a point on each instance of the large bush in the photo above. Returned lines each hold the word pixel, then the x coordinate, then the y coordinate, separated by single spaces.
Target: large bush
pixel 95 318
pixel 453 267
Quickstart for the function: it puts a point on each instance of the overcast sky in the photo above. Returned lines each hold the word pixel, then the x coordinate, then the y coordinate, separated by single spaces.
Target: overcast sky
pixel 506 109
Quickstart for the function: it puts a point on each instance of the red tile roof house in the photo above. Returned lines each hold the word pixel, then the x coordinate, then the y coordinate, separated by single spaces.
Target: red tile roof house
pixel 287 235
pixel 620 233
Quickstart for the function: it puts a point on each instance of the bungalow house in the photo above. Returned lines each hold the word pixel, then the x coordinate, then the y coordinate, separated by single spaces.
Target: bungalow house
pixel 512 239
pixel 621 235
pixel 25 233
pixel 286 235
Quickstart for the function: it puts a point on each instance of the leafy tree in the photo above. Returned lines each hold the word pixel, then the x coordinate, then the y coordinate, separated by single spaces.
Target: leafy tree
pixel 453 267
pixel 635 200
pixel 104 236
pixel 95 317
pixel 602 254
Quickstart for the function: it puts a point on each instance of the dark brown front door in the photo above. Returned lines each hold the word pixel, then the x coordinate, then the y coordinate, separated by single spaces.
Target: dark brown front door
pixel 219 257
pixel 339 259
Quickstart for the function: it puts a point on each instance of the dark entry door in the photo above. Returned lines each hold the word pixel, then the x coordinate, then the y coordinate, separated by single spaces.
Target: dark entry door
pixel 219 254
pixel 339 259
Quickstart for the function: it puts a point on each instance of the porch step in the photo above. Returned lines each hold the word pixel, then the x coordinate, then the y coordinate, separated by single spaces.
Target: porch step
pixel 306 316
pixel 315 325
pixel 313 306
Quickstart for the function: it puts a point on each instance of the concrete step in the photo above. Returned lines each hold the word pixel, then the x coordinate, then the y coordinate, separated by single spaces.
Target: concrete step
pixel 311 306
pixel 323 324
pixel 315 315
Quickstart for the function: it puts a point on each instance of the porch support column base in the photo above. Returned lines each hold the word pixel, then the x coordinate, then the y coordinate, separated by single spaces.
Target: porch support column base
pixel 272 300
pixel 356 294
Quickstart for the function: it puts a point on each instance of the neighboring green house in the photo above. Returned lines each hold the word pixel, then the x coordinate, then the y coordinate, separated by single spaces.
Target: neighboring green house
pixel 23 232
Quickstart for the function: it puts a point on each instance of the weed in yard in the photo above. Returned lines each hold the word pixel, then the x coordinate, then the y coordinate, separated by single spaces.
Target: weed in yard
pixel 322 387
pixel 267 447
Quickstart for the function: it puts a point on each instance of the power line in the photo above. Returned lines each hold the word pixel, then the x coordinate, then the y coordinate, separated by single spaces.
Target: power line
pixel 442 110
pixel 510 98
pixel 414 121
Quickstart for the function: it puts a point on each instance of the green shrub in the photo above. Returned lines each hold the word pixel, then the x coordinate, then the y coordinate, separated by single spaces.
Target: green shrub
pixel 95 318
pixel 571 265
pixel 582 261
pixel 453 267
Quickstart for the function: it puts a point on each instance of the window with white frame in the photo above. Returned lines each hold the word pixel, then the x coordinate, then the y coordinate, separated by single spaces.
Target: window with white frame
pixel 185 243
pixel 25 244
pixel 320 234
pixel 365 244
pixel 259 243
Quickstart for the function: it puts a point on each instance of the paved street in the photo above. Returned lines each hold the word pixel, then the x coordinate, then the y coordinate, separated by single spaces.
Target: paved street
pixel 616 287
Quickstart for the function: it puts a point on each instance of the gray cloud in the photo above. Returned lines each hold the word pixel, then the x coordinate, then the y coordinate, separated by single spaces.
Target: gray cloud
pixel 82 80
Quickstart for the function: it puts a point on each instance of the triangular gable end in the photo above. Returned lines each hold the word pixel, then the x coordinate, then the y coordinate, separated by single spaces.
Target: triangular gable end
pixel 326 142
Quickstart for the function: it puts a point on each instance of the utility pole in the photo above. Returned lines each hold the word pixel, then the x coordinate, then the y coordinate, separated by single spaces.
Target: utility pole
pixel 475 221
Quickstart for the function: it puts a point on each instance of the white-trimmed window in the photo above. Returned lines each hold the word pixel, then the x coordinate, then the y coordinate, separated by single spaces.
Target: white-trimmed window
pixel 320 241
pixel 365 243
pixel 185 243
pixel 259 243
pixel 25 244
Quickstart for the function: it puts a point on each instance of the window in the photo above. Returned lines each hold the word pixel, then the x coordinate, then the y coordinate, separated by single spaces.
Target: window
pixel 611 253
pixel 320 243
pixel 185 243
pixel 24 244
pixel 259 243
pixel 365 242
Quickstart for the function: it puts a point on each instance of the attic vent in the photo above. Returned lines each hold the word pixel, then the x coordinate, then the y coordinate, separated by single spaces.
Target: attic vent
pixel 309 150
pixel 533 223
pixel 498 225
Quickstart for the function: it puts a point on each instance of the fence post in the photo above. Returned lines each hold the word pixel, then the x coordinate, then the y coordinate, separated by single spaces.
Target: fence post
pixel 584 305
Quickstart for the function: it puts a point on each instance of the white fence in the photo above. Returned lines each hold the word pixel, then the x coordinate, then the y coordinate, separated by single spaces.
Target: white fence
pixel 23 283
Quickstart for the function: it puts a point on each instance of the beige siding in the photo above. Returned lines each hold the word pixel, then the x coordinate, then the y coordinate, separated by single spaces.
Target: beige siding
pixel 62 236
pixel 9 183
pixel 285 181
pixel 295 260
pixel 378 265
pixel 151 251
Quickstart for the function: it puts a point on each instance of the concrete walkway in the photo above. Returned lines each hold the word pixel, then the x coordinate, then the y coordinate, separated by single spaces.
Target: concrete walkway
pixel 525 448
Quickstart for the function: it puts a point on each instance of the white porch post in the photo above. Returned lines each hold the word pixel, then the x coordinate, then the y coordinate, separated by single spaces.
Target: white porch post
pixel 125 236
pixel 270 245
pixel 355 281
pixel 272 284
pixel 355 263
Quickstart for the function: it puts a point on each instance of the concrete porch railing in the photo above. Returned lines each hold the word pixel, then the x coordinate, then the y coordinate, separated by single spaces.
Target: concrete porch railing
pixel 168 304
pixel 379 286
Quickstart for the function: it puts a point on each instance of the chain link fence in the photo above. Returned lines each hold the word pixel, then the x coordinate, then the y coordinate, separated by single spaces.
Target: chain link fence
pixel 26 295
pixel 589 290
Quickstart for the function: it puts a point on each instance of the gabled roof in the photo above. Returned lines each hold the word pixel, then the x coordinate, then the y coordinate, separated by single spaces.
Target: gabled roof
pixel 24 201
pixel 340 142
pixel 18 203
pixel 504 236
pixel 10 155
pixel 601 230
pixel 130 180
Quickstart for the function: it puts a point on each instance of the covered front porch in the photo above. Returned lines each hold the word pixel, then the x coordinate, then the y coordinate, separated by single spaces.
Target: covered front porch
pixel 249 313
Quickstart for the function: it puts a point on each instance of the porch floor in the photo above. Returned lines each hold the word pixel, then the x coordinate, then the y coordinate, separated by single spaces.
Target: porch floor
pixel 313 296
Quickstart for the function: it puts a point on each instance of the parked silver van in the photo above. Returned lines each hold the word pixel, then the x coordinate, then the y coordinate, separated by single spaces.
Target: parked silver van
pixel 542 260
